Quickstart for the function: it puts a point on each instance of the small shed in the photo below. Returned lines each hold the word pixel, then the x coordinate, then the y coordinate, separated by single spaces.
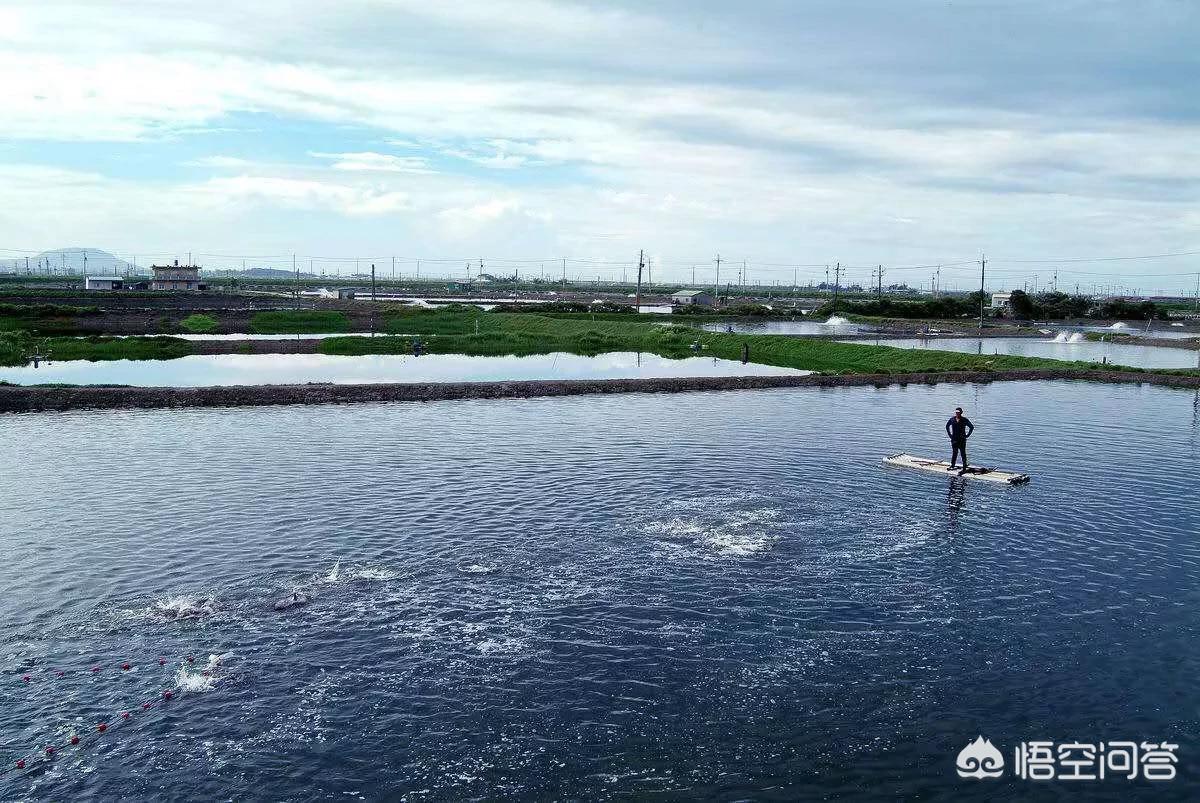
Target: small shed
pixel 103 283
pixel 692 298
pixel 347 293
pixel 1001 300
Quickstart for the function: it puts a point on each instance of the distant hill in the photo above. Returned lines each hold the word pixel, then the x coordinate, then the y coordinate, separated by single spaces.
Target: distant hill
pixel 69 260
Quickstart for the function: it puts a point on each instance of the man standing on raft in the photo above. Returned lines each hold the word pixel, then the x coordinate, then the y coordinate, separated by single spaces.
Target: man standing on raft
pixel 959 428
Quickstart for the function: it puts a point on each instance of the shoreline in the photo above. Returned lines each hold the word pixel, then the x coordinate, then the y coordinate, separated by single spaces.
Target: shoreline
pixel 34 398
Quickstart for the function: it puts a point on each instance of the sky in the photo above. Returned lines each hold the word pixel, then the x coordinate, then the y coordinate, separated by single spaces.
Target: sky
pixel 783 134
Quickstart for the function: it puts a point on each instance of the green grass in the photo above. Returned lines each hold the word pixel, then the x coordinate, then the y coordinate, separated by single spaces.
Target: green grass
pixel 199 323
pixel 290 322
pixel 14 347
pixel 116 348
pixel 524 333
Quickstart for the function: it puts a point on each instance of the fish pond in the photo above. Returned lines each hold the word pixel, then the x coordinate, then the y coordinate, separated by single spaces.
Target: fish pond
pixel 720 596
pixel 834 326
pixel 210 370
pixel 1058 348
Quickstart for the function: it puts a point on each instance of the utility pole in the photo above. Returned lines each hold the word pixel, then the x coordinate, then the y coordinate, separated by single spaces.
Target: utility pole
pixel 637 301
pixel 693 275
pixel 716 284
pixel 880 293
pixel 837 277
pixel 296 291
pixel 372 282
pixel 393 268
pixel 982 284
pixel 565 272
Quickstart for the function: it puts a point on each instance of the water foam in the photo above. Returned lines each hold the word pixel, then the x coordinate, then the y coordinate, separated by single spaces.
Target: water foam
pixel 837 320
pixel 183 606
pixel 1069 337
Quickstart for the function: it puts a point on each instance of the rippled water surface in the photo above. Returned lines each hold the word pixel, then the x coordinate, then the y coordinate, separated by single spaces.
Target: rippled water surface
pixel 206 370
pixel 713 596
pixel 1086 350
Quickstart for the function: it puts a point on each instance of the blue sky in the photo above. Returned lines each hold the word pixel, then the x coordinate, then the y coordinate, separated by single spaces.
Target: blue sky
pixel 785 134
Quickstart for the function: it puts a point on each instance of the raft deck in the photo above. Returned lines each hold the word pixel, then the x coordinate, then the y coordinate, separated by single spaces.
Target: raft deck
pixel 942 467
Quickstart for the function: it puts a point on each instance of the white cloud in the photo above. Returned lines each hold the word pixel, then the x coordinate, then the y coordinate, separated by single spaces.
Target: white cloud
pixel 301 194
pixel 230 162
pixel 375 162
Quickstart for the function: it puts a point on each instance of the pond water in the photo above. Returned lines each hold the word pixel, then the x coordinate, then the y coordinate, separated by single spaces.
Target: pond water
pixel 1138 329
pixel 293 336
pixel 695 596
pixel 492 303
pixel 1061 349
pixel 835 326
pixel 207 370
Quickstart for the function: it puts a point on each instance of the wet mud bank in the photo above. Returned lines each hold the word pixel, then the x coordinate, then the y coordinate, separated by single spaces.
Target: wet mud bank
pixel 15 399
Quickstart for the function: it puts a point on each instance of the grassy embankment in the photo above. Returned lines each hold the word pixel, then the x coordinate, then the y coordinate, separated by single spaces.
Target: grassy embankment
pixel 460 330
pixel 199 323
pixel 42 317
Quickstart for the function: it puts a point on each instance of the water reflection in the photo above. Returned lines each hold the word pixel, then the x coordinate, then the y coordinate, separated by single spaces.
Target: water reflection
pixel 956 497
pixel 1106 352
pixel 270 369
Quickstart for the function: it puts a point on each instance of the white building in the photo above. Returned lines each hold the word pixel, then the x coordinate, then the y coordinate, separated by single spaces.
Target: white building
pixel 1001 300
pixel 103 283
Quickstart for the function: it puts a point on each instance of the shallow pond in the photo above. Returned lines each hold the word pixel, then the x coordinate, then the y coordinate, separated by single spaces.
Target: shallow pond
pixel 694 596
pixel 834 327
pixel 1060 349
pixel 209 370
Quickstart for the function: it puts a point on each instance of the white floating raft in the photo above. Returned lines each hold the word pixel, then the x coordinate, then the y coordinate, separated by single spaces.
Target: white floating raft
pixel 943 467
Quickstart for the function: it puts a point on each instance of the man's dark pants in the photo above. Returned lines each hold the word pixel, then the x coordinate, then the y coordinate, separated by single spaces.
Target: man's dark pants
pixel 958 446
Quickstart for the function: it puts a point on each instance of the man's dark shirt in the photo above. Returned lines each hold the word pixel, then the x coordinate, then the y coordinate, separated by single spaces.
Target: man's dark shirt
pixel 959 429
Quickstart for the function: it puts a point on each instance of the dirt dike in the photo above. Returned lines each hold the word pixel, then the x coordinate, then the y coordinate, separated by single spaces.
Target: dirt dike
pixel 15 399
